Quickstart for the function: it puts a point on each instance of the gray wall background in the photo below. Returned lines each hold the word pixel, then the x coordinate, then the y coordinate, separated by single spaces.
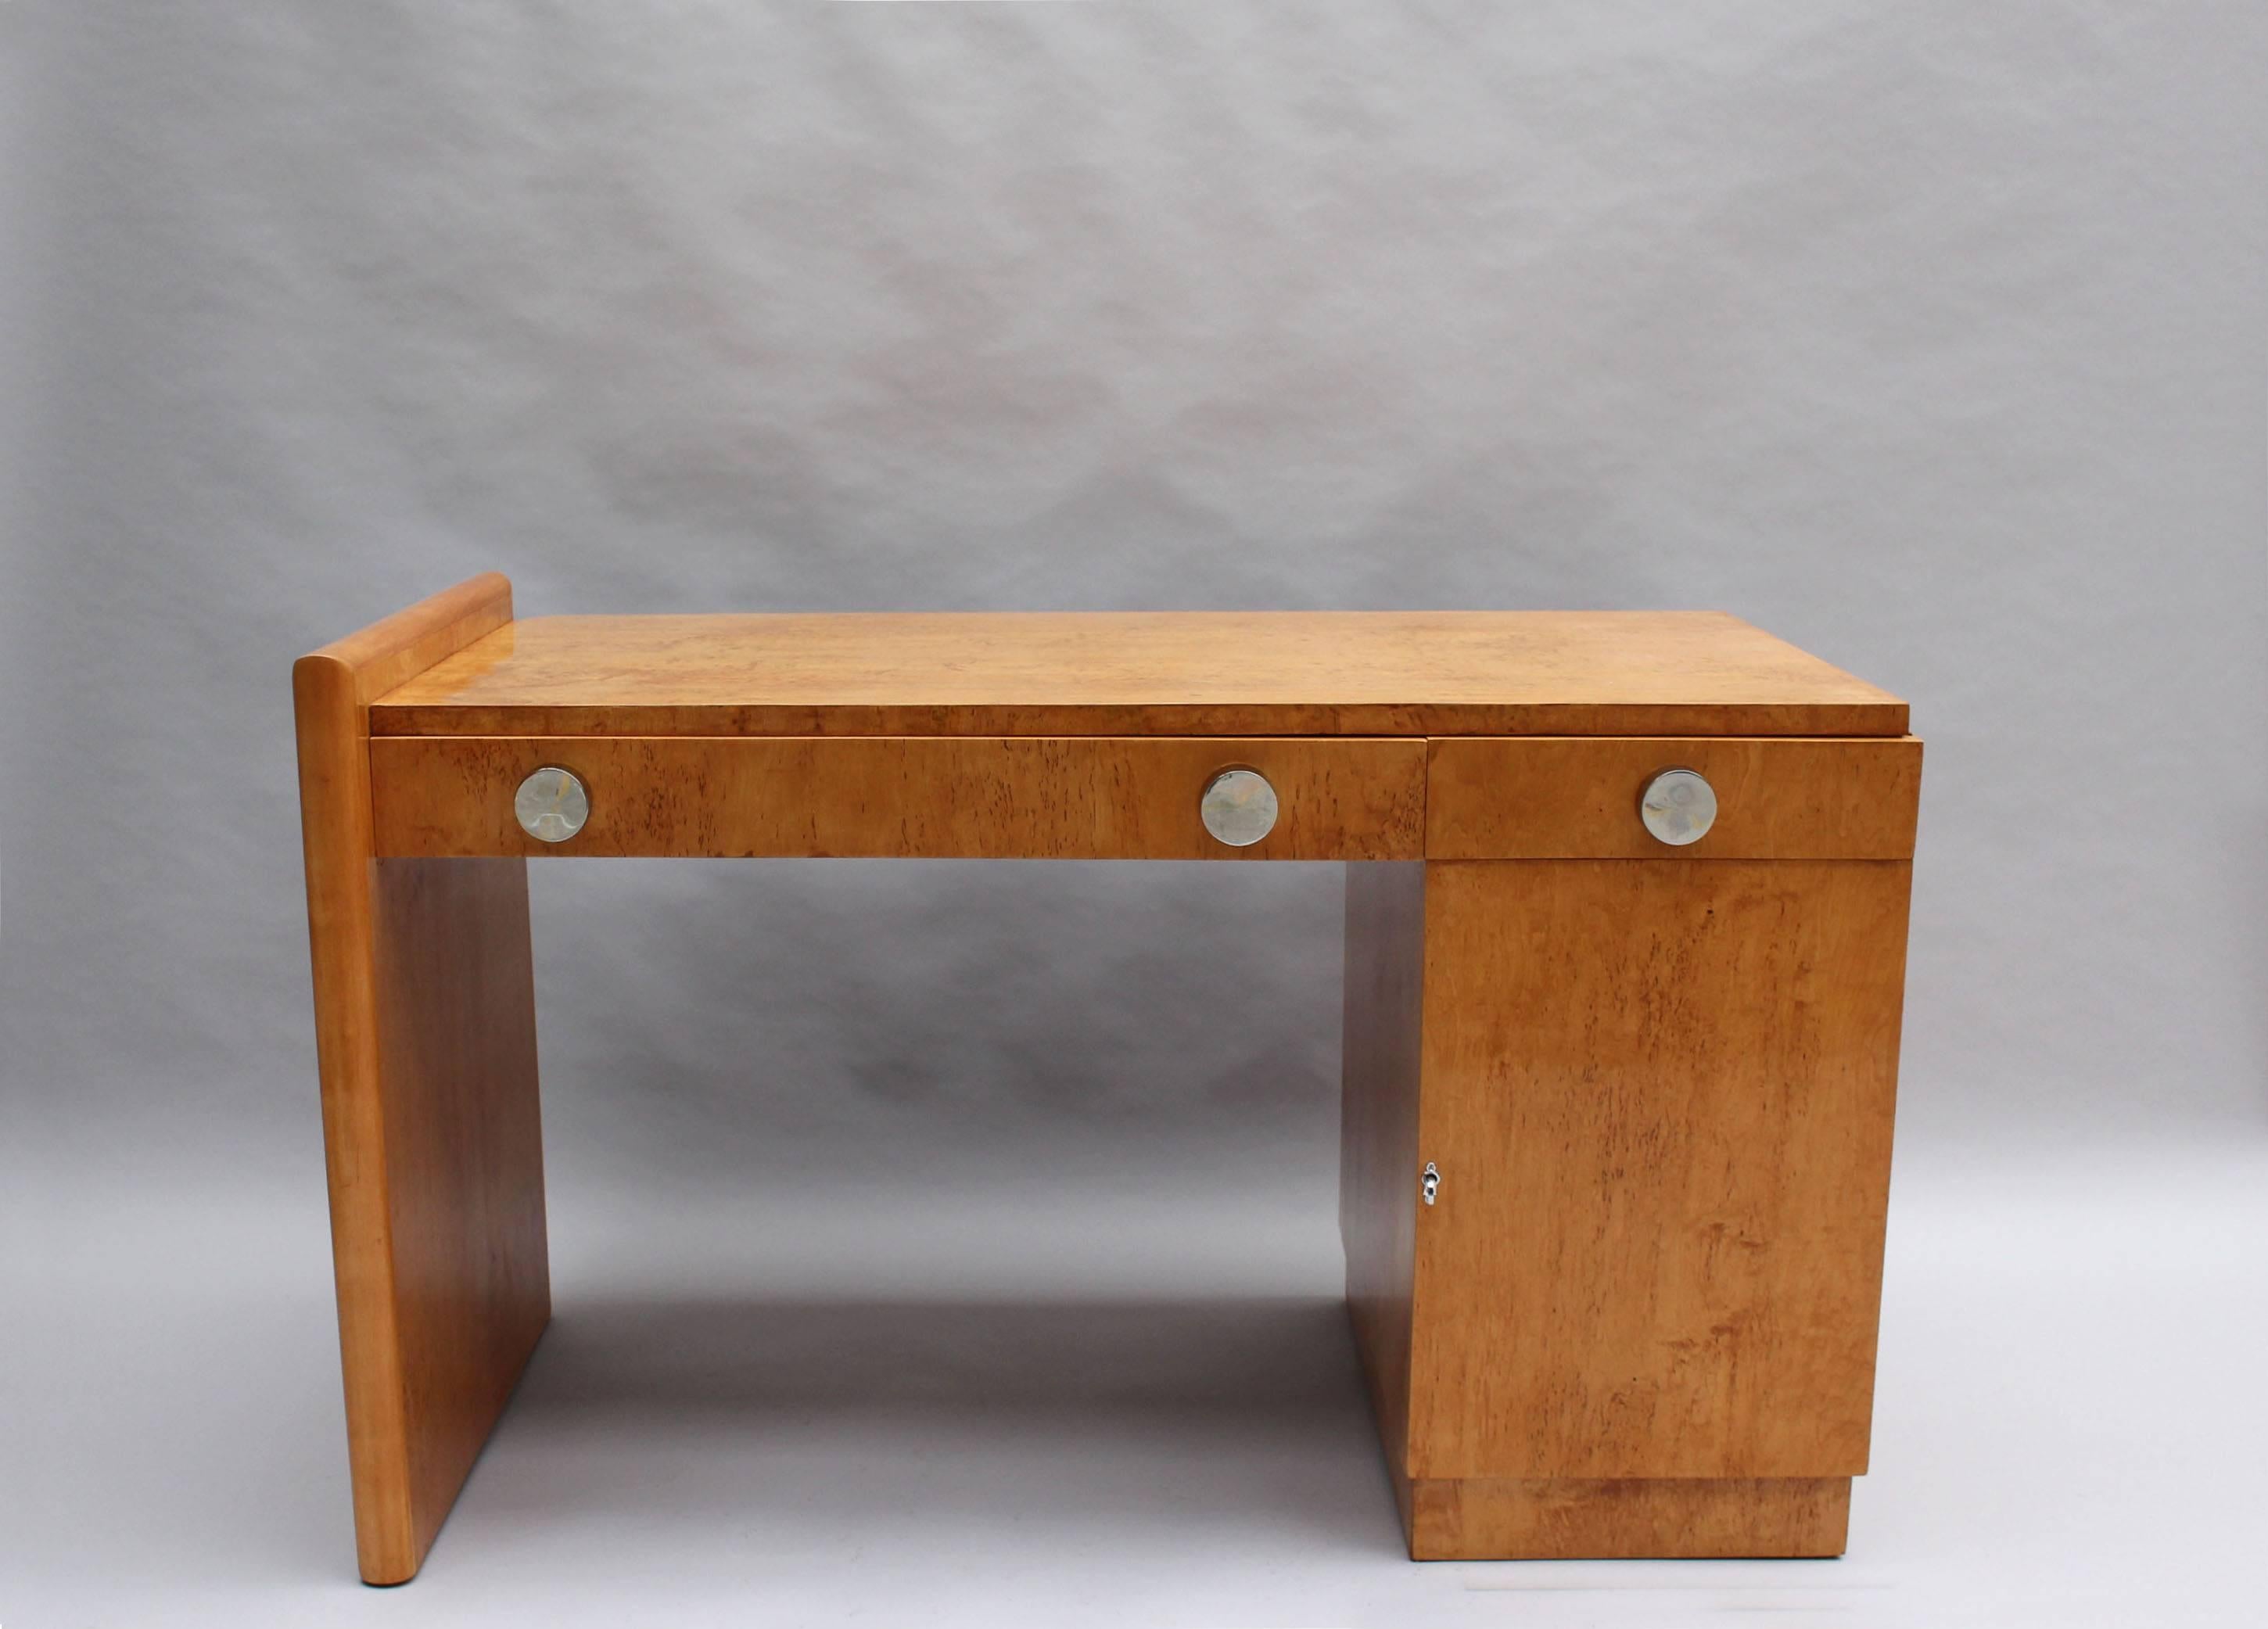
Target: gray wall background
pixel 953 1241
pixel 1928 336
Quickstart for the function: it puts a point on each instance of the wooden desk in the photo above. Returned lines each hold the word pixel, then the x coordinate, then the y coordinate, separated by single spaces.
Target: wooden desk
pixel 1616 1113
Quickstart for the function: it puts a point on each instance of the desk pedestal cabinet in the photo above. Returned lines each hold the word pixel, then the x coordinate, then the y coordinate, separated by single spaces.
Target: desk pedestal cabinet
pixel 1621 1051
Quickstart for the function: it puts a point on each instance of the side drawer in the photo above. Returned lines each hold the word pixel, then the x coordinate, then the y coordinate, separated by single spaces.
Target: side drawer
pixel 1577 798
pixel 900 797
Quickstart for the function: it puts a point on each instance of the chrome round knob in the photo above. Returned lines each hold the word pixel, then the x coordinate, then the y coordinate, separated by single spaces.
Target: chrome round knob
pixel 1239 807
pixel 551 804
pixel 1679 808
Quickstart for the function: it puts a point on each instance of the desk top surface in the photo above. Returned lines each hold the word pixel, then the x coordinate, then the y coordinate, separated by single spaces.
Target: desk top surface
pixel 1230 672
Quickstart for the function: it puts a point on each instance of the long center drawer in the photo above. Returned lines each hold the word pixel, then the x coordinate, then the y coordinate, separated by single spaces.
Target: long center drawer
pixel 901 797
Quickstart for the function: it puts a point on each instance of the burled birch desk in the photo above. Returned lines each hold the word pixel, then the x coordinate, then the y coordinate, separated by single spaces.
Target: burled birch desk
pixel 1625 942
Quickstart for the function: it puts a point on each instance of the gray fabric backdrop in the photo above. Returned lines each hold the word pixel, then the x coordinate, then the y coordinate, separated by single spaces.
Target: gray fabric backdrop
pixel 1933 337
pixel 1932 341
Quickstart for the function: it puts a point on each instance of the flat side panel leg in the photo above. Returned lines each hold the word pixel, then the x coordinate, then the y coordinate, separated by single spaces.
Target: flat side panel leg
pixel 1378 1168
pixel 425 1039
pixel 464 1157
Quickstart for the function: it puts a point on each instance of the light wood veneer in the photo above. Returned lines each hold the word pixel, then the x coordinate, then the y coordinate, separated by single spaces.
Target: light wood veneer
pixel 1182 673
pixel 1639 1318
pixel 425 1048
pixel 1545 798
pixel 1637 1518
pixel 1659 1094
pixel 901 797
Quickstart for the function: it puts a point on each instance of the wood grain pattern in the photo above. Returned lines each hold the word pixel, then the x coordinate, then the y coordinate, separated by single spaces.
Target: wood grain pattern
pixel 1506 673
pixel 1641 1318
pixel 1378 1146
pixel 1554 797
pixel 425 1025
pixel 1661 1098
pixel 396 649
pixel 463 1161
pixel 1496 1518
pixel 1085 798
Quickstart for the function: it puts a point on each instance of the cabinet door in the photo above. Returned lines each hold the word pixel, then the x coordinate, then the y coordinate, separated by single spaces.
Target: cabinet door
pixel 1659 1094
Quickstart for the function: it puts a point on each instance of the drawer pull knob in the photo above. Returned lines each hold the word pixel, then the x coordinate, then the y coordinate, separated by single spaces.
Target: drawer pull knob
pixel 1679 808
pixel 1239 807
pixel 551 804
